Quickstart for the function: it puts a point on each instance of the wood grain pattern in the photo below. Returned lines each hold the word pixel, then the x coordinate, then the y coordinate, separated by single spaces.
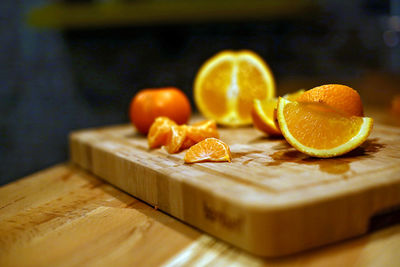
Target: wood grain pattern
pixel 271 200
pixel 64 216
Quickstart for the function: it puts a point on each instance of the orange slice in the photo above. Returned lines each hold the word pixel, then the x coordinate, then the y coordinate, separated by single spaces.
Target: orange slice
pixel 159 131
pixel 264 113
pixel 319 130
pixel 227 83
pixel 210 149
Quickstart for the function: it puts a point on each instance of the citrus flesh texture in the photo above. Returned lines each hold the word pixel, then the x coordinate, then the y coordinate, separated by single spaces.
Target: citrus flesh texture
pixel 227 83
pixel 199 131
pixel 159 131
pixel 319 130
pixel 264 113
pixel 210 149
pixel 174 138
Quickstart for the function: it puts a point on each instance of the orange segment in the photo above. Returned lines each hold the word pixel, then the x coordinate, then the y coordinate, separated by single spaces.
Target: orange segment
pixel 175 138
pixel 159 132
pixel 210 149
pixel 227 83
pixel 340 97
pixel 319 130
pixel 200 131
pixel 264 113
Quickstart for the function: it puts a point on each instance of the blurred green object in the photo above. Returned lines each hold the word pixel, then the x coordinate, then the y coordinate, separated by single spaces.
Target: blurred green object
pixel 130 13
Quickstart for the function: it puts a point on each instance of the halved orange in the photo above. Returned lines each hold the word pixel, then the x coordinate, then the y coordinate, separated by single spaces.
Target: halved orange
pixel 210 149
pixel 264 113
pixel 159 131
pixel 227 83
pixel 319 130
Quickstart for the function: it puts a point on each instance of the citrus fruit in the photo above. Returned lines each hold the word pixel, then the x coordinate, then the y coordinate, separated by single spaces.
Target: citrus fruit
pixel 199 131
pixel 202 130
pixel 340 97
pixel 175 138
pixel 264 115
pixel 210 149
pixel 165 132
pixel 227 83
pixel 159 131
pixel 149 104
pixel 319 130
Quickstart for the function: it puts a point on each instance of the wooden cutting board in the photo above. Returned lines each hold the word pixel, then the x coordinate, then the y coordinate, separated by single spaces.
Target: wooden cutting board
pixel 271 200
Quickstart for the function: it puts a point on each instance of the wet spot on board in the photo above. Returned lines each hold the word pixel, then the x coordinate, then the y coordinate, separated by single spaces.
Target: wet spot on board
pixel 337 165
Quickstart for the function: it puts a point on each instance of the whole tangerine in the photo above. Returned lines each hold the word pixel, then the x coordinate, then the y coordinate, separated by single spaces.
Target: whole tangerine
pixel 148 104
pixel 340 97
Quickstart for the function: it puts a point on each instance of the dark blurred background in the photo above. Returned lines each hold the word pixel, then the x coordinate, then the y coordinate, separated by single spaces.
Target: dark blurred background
pixel 67 65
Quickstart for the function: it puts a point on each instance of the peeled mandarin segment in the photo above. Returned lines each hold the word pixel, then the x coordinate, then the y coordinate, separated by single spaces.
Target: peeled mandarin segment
pixel 340 97
pixel 187 143
pixel 206 123
pixel 159 132
pixel 318 130
pixel 175 138
pixel 210 149
pixel 200 131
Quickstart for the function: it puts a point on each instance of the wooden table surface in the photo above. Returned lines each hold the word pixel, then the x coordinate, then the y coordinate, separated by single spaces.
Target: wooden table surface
pixel 64 216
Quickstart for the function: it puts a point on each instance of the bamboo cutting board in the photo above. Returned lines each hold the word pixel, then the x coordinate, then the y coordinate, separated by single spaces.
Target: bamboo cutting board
pixel 270 200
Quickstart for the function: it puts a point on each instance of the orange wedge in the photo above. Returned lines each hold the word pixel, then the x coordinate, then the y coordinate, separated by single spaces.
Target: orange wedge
pixel 210 149
pixel 159 131
pixel 264 113
pixel 319 130
pixel 227 83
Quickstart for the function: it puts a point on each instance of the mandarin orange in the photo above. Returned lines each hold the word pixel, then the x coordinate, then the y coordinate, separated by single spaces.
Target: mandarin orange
pixel 149 104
